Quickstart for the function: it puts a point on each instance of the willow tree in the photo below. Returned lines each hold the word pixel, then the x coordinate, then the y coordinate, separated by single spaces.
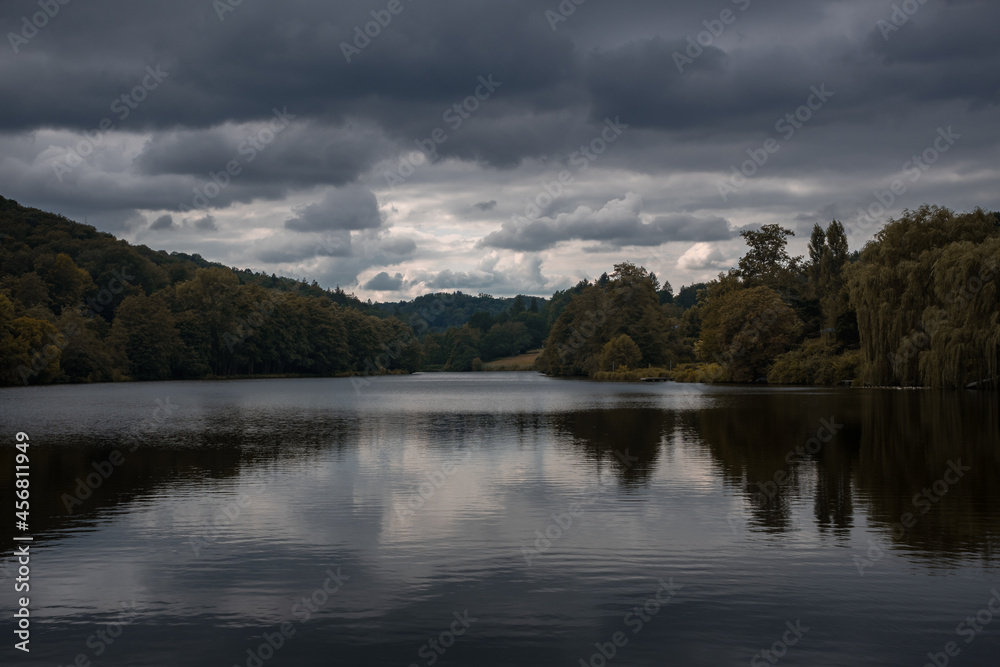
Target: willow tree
pixel 927 300
pixel 965 346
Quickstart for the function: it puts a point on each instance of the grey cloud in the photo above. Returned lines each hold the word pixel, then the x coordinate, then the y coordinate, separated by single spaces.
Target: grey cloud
pixel 349 208
pixel 486 205
pixel 397 246
pixel 281 249
pixel 383 282
pixel 821 216
pixel 205 224
pixel 305 153
pixel 120 221
pixel 689 228
pixel 334 257
pixel 618 223
pixel 354 121
pixel 163 222
pixel 448 279
pixel 522 275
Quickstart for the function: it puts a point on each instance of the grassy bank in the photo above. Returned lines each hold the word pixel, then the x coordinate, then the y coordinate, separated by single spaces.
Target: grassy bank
pixel 520 362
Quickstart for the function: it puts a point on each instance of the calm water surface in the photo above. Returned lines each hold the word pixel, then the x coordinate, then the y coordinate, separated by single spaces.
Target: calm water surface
pixel 505 519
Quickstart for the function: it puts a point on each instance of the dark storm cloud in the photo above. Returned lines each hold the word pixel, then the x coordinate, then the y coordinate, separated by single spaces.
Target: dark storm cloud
pixel 184 91
pixel 163 222
pixel 940 55
pixel 267 54
pixel 304 154
pixel 616 224
pixel 383 282
pixel 289 54
pixel 349 208
pixel 205 224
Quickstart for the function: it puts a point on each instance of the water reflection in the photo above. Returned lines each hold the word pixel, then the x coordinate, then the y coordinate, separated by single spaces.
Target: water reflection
pixel 626 439
pixel 907 441
pixel 889 446
pixel 426 490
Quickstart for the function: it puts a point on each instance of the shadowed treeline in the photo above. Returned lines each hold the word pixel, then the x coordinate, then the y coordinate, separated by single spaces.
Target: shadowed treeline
pixel 907 442
pixel 759 441
pixel 893 444
pixel 612 436
pixel 222 448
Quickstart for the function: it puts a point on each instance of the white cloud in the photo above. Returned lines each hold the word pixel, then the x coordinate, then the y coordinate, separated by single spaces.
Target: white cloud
pixel 702 257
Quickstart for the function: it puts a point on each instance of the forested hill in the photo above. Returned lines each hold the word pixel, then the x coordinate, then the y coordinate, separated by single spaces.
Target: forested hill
pixel 919 305
pixel 443 311
pixel 29 232
pixel 80 305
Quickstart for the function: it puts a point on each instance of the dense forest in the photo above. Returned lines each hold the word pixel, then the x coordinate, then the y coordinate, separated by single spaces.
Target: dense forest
pixel 487 337
pixel 442 311
pixel 77 305
pixel 917 306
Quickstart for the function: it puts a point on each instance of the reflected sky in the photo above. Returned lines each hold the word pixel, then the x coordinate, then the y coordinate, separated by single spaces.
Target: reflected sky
pixel 547 508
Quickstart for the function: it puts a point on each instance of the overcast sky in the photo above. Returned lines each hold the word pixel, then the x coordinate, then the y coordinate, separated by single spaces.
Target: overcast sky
pixel 501 146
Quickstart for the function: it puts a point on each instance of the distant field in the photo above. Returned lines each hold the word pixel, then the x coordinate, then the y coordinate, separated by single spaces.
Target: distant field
pixel 521 362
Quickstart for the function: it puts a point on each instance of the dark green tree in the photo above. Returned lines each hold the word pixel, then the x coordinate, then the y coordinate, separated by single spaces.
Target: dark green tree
pixel 518 307
pixel 620 354
pixel 767 260
pixel 744 330
pixel 927 300
pixel 145 333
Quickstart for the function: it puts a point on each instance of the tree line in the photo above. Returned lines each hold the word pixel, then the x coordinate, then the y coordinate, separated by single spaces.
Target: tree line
pixel 917 306
pixel 77 305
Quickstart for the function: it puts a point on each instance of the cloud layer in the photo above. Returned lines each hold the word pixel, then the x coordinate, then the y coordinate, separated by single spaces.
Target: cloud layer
pixel 420 157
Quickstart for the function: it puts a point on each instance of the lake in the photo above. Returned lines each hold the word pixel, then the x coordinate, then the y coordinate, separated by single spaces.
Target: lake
pixel 505 519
